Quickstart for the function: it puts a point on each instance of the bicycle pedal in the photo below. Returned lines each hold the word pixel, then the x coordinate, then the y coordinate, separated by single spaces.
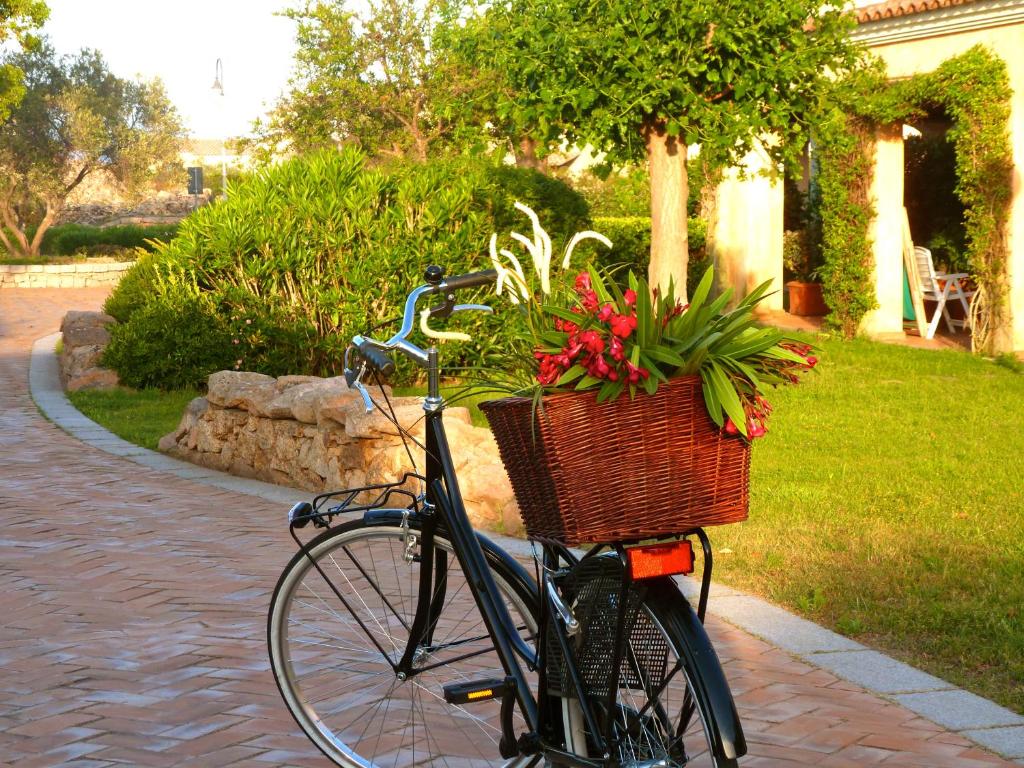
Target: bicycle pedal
pixel 480 690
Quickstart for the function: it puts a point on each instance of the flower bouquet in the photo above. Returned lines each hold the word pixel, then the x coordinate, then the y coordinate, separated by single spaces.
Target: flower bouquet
pixel 635 410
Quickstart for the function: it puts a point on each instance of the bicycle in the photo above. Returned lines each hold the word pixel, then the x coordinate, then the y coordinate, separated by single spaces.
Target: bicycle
pixel 403 636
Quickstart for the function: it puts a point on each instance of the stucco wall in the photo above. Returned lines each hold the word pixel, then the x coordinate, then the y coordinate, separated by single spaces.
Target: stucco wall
pixel 911 57
pixel 747 237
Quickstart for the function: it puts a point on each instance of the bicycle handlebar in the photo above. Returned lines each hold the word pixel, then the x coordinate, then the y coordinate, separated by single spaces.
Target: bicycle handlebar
pixel 375 352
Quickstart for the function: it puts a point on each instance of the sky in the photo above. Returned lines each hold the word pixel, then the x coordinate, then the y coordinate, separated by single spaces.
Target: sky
pixel 179 42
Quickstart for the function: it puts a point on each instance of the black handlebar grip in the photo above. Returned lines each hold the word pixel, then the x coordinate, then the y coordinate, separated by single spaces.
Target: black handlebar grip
pixel 377 358
pixel 471 280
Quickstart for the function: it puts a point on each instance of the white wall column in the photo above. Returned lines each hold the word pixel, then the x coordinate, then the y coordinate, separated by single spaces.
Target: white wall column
pixel 1012 338
pixel 746 240
pixel 886 233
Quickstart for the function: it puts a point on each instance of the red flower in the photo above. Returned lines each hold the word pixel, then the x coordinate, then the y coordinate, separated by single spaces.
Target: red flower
pixel 623 325
pixel 589 300
pixel 616 350
pixel 636 373
pixel 566 325
pixel 592 341
pixel 630 297
pixel 598 367
pixel 730 428
pixel 582 282
pixel 606 312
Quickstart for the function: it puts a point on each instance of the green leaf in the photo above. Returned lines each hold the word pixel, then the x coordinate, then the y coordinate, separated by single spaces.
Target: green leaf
pixel 726 394
pixel 588 382
pixel 610 390
pixel 664 355
pixel 571 375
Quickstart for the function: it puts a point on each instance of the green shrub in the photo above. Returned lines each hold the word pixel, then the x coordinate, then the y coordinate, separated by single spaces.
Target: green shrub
pixel 631 246
pixel 134 290
pixel 304 254
pixel 66 239
pixel 620 195
pixel 174 341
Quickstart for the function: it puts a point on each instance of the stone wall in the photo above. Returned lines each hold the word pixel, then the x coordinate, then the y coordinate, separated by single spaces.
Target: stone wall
pixel 314 434
pixel 62 275
pixel 159 208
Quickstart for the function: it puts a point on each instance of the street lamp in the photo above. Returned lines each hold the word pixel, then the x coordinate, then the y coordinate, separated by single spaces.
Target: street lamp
pixel 218 85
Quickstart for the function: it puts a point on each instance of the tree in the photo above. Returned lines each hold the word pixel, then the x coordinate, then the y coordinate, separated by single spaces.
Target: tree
pixel 18 19
pixel 366 77
pixel 642 81
pixel 76 119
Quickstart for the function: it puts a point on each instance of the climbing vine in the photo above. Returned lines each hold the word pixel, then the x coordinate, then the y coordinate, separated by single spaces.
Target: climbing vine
pixel 974 90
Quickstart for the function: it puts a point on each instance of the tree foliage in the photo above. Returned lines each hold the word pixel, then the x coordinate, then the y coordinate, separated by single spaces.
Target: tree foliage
pixel 366 74
pixel 18 20
pixel 76 119
pixel 641 81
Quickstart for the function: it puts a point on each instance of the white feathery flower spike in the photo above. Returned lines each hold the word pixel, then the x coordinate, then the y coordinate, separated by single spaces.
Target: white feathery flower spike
pixel 540 250
pixel 579 237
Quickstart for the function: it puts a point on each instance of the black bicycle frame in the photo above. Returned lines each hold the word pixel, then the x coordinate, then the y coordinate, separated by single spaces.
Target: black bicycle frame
pixel 445 510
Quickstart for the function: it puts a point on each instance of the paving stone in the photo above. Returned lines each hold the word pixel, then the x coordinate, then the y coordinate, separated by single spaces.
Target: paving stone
pixel 959 710
pixel 1005 741
pixel 878 672
pixel 780 627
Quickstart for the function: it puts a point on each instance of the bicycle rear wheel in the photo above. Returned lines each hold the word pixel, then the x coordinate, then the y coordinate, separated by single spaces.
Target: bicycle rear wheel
pixel 660 712
pixel 333 664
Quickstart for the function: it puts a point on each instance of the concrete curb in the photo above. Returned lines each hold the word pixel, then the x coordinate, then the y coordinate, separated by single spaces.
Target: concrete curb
pixel 983 722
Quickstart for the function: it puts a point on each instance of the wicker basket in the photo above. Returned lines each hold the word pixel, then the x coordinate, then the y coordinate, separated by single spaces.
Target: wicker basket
pixel 623 470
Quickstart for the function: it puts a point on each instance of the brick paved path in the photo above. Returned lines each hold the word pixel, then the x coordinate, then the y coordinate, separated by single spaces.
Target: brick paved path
pixel 133 604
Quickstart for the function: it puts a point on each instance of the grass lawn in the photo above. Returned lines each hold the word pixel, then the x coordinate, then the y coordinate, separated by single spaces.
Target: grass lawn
pixel 887 502
pixel 141 417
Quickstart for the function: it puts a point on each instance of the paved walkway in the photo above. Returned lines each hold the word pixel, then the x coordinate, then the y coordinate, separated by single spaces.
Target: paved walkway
pixel 133 606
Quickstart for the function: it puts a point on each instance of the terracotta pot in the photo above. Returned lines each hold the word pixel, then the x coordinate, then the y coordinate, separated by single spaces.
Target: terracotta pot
pixel 805 299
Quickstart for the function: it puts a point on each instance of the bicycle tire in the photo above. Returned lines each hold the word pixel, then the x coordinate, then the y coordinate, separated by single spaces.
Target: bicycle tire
pixel 338 686
pixel 670 722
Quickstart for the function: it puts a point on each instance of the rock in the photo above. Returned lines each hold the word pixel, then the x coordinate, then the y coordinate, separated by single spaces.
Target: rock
pixel 94 378
pixel 194 411
pixel 332 409
pixel 408 413
pixel 239 389
pixel 86 328
pixel 287 382
pixel 306 404
pixel 283 406
pixel 74 361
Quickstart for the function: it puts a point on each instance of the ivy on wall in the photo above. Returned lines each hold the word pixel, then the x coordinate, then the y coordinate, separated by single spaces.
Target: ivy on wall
pixel 974 90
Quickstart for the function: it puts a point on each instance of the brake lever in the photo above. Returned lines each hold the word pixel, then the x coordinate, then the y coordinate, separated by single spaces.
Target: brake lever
pixel 353 378
pixel 367 400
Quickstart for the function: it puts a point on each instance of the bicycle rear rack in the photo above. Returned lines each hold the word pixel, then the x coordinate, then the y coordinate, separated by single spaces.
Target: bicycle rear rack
pixel 322 510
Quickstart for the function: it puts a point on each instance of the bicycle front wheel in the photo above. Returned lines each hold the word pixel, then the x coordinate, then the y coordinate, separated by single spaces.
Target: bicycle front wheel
pixel 333 658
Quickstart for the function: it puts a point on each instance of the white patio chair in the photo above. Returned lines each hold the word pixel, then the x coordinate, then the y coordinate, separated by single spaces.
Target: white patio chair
pixel 950 289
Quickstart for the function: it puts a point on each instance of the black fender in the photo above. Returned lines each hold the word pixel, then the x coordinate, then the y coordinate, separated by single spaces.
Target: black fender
pixel 705 670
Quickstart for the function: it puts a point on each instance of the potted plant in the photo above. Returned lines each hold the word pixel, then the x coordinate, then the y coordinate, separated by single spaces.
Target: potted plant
pixel 630 398
pixel 798 257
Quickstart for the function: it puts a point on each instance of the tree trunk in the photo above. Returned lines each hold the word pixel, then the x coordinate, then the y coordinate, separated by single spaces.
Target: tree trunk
pixel 526 157
pixel 669 190
pixel 51 213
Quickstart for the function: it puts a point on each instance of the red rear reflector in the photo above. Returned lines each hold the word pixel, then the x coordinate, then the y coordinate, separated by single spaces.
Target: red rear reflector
pixel 660 560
